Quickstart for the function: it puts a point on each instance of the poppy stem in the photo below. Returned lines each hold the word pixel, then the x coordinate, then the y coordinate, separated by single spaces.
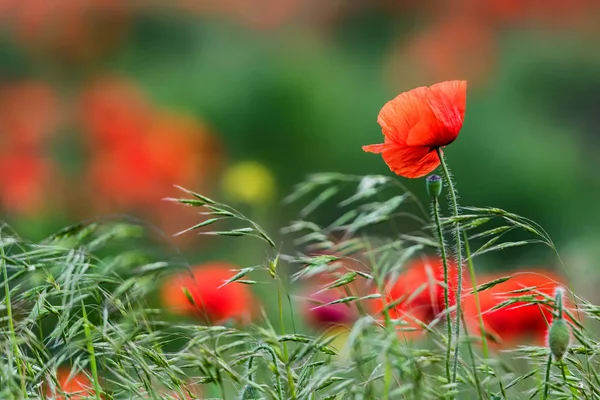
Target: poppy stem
pixel 459 260
pixel 440 235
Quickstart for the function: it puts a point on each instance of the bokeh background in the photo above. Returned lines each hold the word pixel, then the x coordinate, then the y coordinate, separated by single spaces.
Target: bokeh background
pixel 105 104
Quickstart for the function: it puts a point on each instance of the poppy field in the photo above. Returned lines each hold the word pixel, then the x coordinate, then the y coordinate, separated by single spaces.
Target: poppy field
pixel 299 199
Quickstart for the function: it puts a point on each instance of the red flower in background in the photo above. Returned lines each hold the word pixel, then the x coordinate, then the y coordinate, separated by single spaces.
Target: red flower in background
pixel 458 46
pixel 211 301
pixel 257 14
pixel 321 315
pixel 551 13
pixel 29 112
pixel 418 293
pixel 27 179
pixel 137 152
pixel 75 387
pixel 418 122
pixel 517 323
pixel 114 111
pixel 173 150
pixel 68 29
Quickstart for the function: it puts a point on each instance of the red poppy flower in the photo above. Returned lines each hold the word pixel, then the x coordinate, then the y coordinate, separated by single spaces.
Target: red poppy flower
pixel 418 122
pixel 455 46
pixel 418 293
pixel 114 111
pixel 211 301
pixel 520 322
pixel 76 386
pixel 140 167
pixel 29 113
pixel 319 314
pixel 27 180
pixel 71 30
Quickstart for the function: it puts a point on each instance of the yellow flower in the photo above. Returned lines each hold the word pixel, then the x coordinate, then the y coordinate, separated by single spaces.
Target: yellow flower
pixel 250 182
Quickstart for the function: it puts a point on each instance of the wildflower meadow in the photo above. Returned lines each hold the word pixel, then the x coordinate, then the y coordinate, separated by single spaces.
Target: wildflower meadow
pixel 244 199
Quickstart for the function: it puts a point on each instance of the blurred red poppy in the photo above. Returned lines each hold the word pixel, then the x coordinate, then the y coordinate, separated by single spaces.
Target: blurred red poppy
pixel 114 111
pixel 456 46
pixel 257 14
pixel 29 113
pixel 321 315
pixel 418 122
pixel 172 150
pixel 520 322
pixel 67 29
pixel 211 301
pixel 418 293
pixel 550 13
pixel 74 387
pixel 27 178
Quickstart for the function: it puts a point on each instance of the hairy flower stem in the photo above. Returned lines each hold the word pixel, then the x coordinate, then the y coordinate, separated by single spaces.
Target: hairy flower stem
pixel 440 235
pixel 459 260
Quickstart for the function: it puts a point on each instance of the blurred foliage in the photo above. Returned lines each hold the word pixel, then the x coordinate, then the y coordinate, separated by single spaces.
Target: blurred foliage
pixel 296 86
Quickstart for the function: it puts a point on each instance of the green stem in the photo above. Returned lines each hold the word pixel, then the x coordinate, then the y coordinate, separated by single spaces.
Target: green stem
pixel 547 379
pixel 274 359
pixel 476 296
pixel 90 348
pixel 286 356
pixel 440 235
pixel 474 366
pixel 459 260
pixel 11 325
pixel 389 328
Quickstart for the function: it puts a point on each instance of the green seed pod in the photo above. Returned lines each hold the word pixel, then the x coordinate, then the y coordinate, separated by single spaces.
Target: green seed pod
pixel 434 185
pixel 559 338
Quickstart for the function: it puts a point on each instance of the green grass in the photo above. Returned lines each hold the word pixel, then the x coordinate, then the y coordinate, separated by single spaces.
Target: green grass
pixel 86 298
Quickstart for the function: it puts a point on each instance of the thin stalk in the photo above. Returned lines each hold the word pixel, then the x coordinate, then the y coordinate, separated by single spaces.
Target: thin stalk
pixel 564 369
pixel 440 235
pixel 286 356
pixel 547 379
pixel 474 366
pixel 274 359
pixel 11 324
pixel 90 348
pixel 221 385
pixel 387 379
pixel 476 296
pixel 459 260
pixel 380 282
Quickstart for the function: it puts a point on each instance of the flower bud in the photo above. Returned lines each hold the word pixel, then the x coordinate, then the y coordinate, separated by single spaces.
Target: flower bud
pixel 559 335
pixel 559 338
pixel 434 185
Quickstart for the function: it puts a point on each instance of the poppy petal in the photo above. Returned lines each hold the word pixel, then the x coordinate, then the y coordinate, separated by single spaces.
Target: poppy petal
pixel 402 114
pixel 447 102
pixel 417 122
pixel 410 161
pixel 374 148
